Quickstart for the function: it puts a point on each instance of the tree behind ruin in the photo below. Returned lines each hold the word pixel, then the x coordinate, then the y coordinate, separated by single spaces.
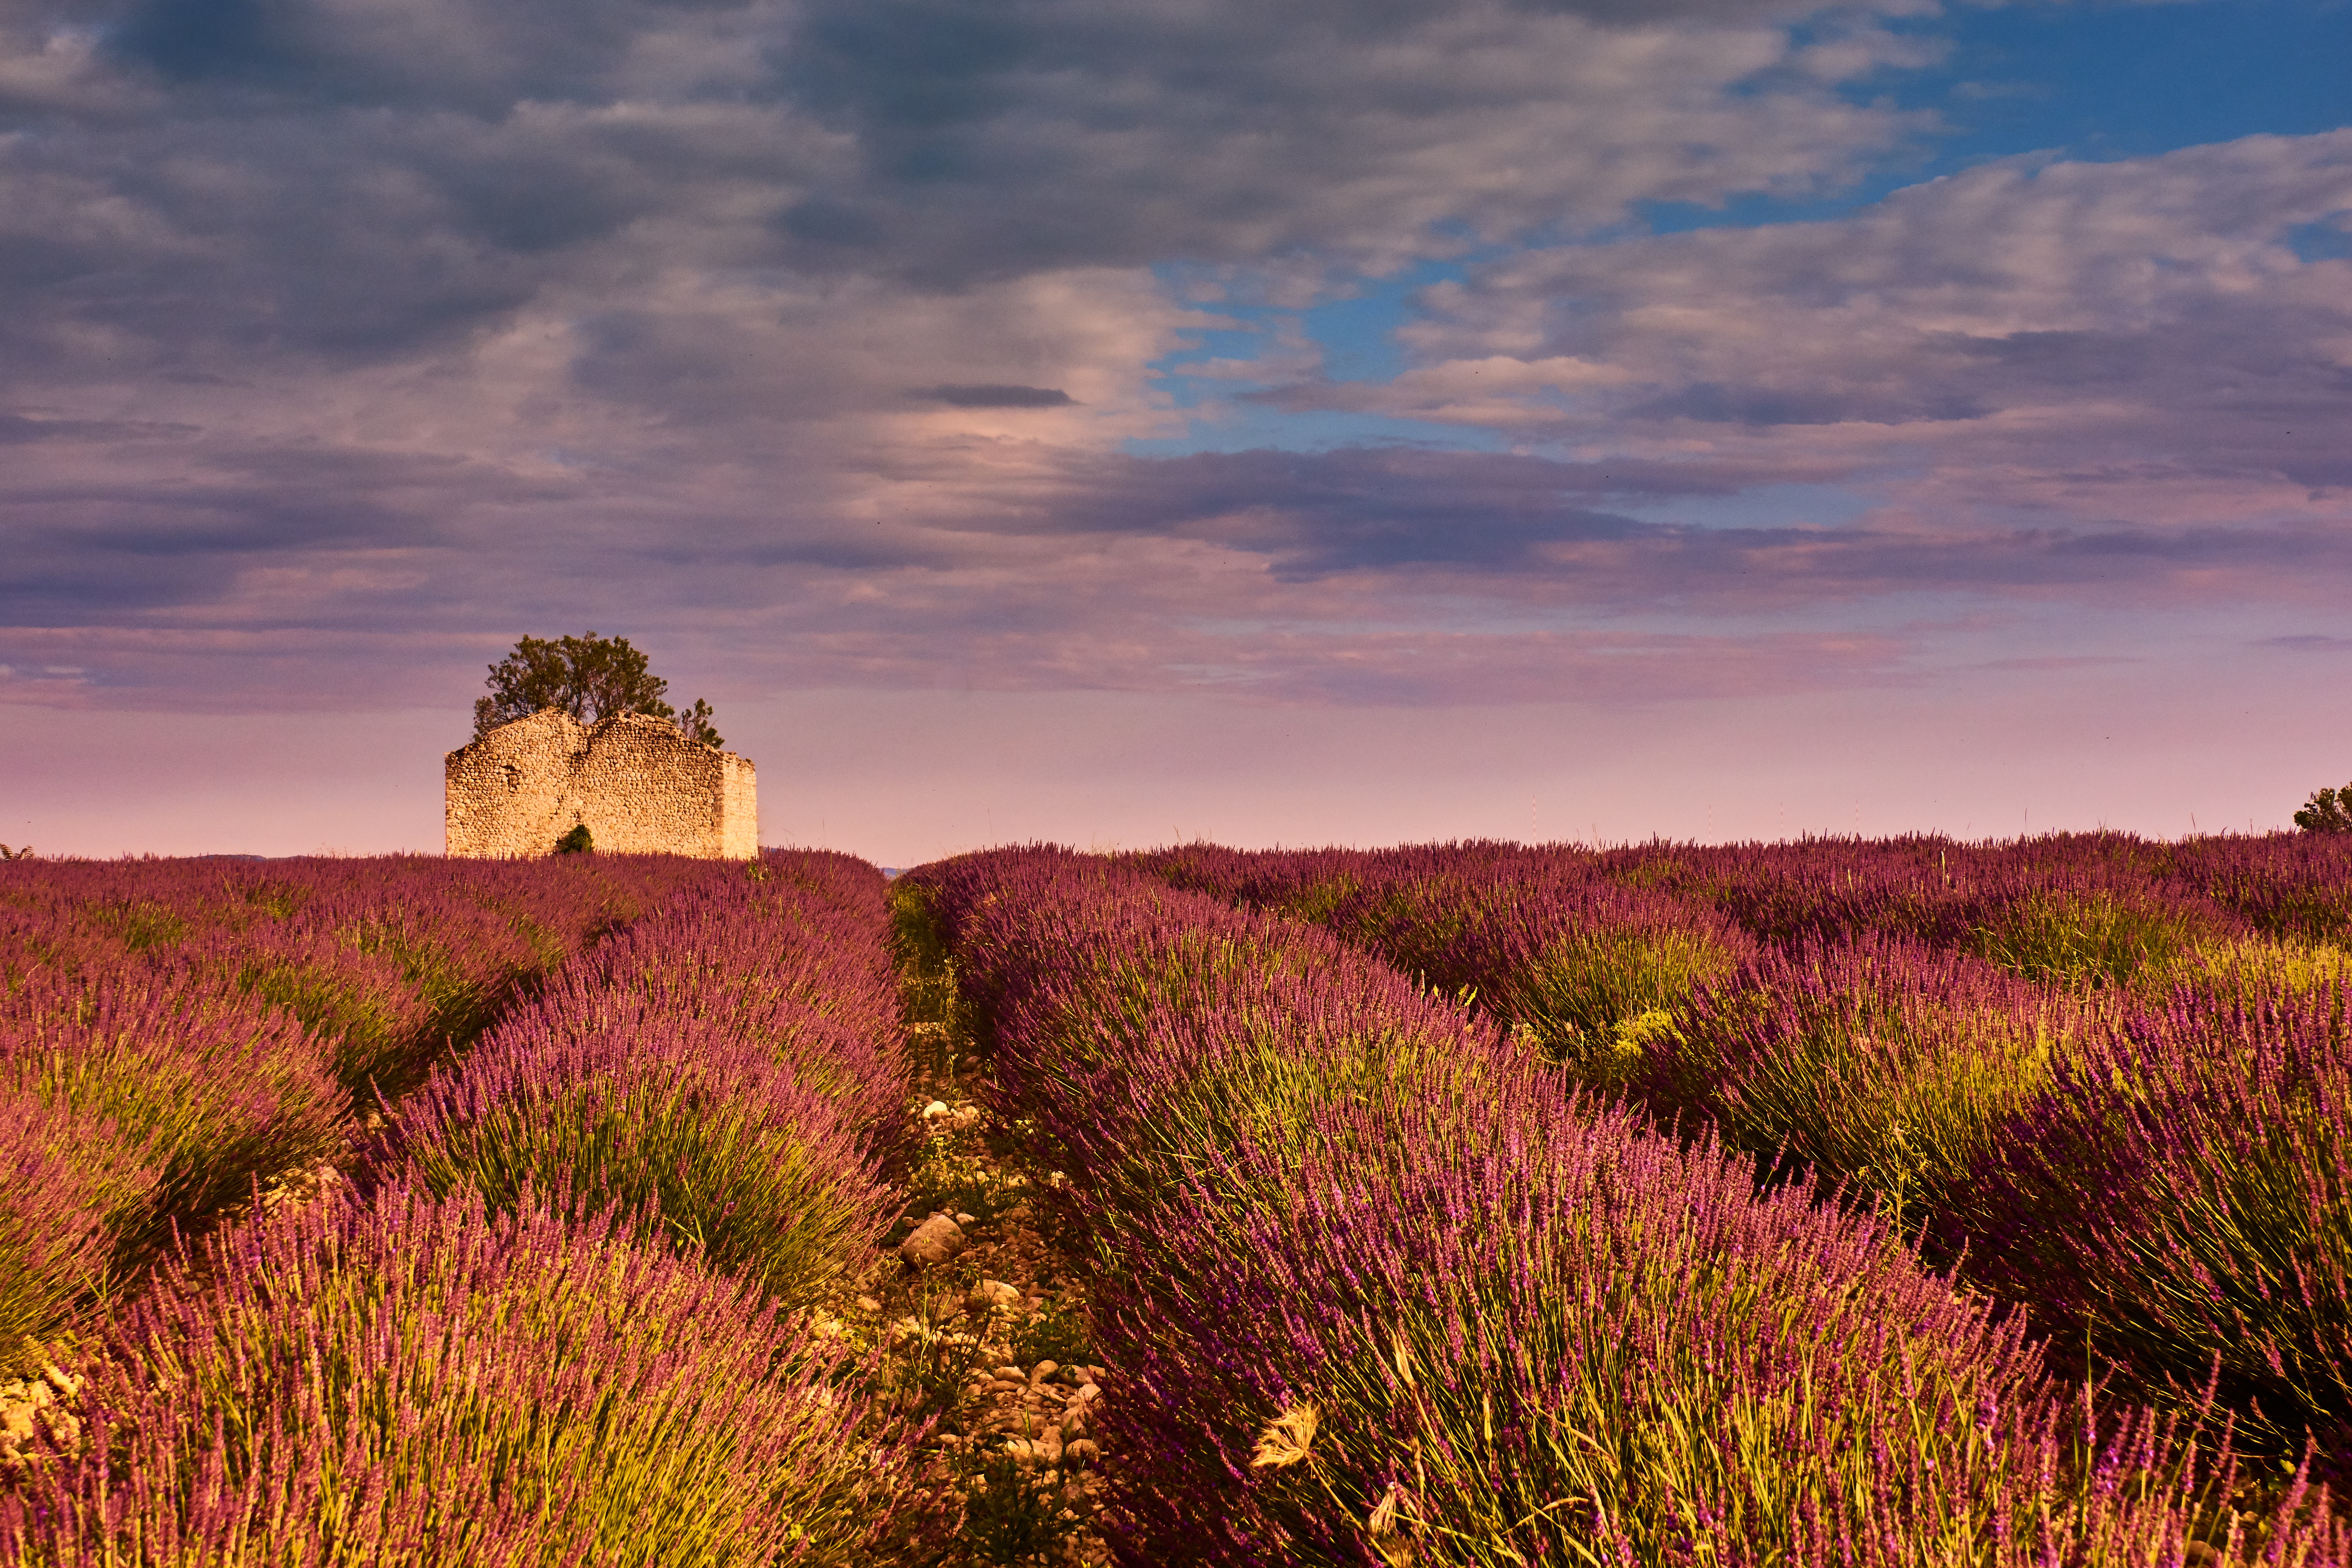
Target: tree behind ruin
pixel 590 677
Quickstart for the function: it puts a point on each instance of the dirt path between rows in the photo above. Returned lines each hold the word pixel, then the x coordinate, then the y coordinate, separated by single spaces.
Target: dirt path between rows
pixel 984 1318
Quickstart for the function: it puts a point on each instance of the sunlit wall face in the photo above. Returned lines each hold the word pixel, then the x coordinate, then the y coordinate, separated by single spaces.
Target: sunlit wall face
pixel 1114 422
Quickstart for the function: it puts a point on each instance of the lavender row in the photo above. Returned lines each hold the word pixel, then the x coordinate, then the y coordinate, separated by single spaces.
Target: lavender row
pixel 2104 907
pixel 1392 1292
pixel 2162 1184
pixel 559 1316
pixel 726 1070
pixel 413 1380
pixel 172 1033
pixel 2166 1182
pixel 2181 1196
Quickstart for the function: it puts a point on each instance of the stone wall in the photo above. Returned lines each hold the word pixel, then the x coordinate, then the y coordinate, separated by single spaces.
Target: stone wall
pixel 641 787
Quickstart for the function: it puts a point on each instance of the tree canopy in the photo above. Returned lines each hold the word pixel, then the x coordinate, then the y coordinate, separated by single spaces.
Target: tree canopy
pixel 590 677
pixel 2329 811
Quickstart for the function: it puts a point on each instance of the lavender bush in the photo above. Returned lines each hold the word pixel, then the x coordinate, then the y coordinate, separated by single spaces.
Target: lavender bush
pixel 391 960
pixel 66 1187
pixel 1880 1062
pixel 723 1072
pixel 1869 1044
pixel 413 1380
pixel 2088 934
pixel 1467 1347
pixel 204 1029
pixel 192 1078
pixel 2294 887
pixel 799 959
pixel 1581 966
pixel 2181 1194
pixel 697 1134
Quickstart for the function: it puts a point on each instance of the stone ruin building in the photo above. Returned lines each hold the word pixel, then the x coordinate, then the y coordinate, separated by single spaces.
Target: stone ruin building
pixel 637 785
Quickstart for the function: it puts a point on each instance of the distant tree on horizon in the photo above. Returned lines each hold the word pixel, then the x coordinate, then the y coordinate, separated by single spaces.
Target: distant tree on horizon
pixel 2329 811
pixel 590 677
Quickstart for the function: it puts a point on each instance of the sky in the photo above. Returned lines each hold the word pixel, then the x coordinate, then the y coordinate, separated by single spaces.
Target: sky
pixel 1123 421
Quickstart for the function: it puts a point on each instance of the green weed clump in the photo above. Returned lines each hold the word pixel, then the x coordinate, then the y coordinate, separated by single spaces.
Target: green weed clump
pixel 1057 1332
pixel 1594 1001
pixel 1009 1516
pixel 2096 937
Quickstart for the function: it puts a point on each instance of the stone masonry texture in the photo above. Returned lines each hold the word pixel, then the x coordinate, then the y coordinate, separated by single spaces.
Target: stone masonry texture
pixel 640 786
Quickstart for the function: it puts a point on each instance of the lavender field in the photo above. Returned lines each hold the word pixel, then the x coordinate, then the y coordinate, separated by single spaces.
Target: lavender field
pixel 443 1213
pixel 1835 1202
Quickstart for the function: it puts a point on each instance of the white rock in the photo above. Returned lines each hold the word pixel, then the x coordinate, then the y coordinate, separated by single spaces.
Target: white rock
pixel 1046 1450
pixel 935 1240
pixel 992 1295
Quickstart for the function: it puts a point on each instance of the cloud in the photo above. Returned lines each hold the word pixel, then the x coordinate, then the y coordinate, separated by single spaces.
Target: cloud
pixel 1516 529
pixel 1055 133
pixel 341 340
pixel 235 180
pixel 996 396
pixel 2306 642
pixel 2085 342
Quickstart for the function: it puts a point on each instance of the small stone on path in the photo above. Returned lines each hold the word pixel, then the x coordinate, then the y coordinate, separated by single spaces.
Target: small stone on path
pixel 992 1295
pixel 935 1240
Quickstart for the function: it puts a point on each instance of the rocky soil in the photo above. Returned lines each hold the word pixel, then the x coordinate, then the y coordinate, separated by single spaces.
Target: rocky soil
pixel 984 1321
